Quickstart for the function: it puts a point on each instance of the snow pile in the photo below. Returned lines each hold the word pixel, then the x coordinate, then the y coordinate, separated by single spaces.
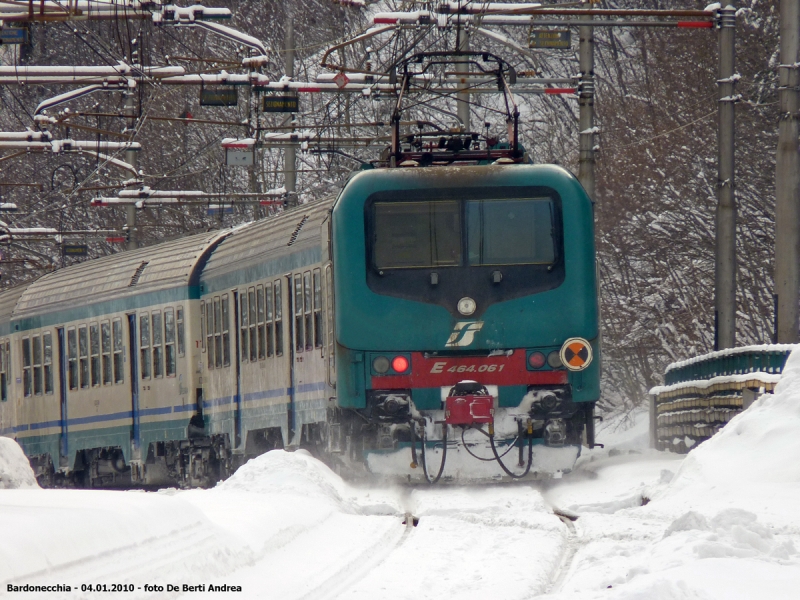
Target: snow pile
pixel 15 470
pixel 121 537
pixel 760 445
pixel 294 473
pixel 732 533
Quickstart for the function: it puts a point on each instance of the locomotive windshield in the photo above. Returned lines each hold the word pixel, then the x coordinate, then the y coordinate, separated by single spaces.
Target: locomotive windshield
pixel 508 231
pixel 517 231
pixel 417 234
pixel 438 245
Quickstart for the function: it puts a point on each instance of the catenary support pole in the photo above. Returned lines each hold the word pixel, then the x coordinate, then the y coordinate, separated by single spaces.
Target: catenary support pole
pixel 289 151
pixel 787 179
pixel 725 270
pixel 132 158
pixel 462 98
pixel 586 109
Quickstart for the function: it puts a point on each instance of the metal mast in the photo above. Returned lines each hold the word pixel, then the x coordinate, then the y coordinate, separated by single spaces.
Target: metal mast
pixel 787 180
pixel 132 158
pixel 289 150
pixel 462 102
pixel 725 275
pixel 586 108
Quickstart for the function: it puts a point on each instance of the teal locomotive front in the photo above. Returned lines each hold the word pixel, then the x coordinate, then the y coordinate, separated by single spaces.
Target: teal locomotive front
pixel 466 321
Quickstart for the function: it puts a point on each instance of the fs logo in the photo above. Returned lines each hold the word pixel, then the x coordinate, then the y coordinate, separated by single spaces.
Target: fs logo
pixel 464 333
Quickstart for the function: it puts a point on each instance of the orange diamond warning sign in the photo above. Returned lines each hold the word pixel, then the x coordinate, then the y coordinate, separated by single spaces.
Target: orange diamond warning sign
pixel 576 354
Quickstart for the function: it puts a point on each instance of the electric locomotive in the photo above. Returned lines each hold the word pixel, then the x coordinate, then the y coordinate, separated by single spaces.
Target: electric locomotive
pixel 428 324
pixel 466 322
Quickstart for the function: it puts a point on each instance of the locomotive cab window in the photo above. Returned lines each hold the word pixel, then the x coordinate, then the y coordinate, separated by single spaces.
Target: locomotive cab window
pixel 510 232
pixel 489 243
pixel 417 234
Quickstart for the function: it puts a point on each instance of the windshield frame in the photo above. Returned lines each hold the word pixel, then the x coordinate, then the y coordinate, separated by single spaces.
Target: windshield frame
pixel 467 196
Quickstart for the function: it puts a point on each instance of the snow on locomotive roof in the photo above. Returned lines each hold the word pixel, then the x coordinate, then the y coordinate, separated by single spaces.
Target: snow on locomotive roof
pixel 266 248
pixel 151 269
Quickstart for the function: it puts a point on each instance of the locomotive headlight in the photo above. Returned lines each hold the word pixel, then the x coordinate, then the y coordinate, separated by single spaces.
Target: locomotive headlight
pixel 554 359
pixel 466 306
pixel 380 364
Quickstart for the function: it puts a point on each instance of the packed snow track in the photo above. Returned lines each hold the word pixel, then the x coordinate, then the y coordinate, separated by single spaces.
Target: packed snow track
pixel 629 523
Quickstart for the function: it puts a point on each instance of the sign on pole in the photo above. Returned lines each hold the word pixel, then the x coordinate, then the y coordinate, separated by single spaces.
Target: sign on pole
pixel 281 104
pixel 239 158
pixel 549 38
pixel 219 97
pixel 74 250
pixel 13 35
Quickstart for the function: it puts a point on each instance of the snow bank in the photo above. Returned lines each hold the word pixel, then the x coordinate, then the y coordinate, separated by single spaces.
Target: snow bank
pixel 280 472
pixel 760 445
pixel 15 470
pixel 96 535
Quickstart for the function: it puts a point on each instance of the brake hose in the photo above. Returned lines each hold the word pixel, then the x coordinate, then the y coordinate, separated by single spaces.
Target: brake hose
pixel 444 455
pixel 490 459
pixel 500 462
pixel 414 461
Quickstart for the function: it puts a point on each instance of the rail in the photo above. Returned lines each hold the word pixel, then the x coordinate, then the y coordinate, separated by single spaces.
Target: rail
pixel 700 395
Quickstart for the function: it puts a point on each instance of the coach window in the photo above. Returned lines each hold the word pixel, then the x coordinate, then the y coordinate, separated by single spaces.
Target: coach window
pixel 105 350
pixel 298 313
pixel 26 366
pixel 269 320
pixel 317 308
pixel 251 305
pixel 182 330
pixel 3 372
pixel 226 336
pixel 116 329
pixel 212 331
pixel 307 310
pixel 83 349
pixel 261 322
pixel 144 344
pixel 202 326
pixel 37 365
pixel 47 346
pixel 208 331
pixel 94 346
pixel 243 313
pixel 169 341
pixel 158 350
pixel 278 319
pixel 72 358
pixel 329 316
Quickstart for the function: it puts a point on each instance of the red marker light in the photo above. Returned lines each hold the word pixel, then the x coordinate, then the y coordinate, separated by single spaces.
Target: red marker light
pixel 536 360
pixel 400 364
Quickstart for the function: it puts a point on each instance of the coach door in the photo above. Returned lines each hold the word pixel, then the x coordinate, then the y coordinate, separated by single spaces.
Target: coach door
pixel 293 357
pixel 134 362
pixel 62 391
pixel 237 370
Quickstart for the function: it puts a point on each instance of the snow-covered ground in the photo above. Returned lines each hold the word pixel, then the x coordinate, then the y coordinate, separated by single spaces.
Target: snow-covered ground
pixel 721 523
